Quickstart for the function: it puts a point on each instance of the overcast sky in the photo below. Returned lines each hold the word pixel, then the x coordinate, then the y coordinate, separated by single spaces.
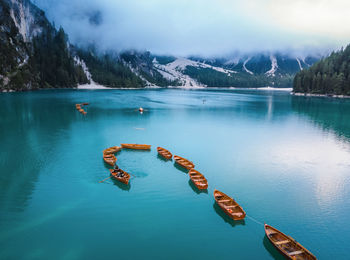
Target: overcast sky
pixel 203 27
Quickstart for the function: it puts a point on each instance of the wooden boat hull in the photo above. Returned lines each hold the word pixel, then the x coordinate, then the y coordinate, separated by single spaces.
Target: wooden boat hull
pixel 136 146
pixel 290 248
pixel 110 159
pixel 198 179
pixel 184 162
pixel 124 180
pixel 112 150
pixel 164 153
pixel 229 205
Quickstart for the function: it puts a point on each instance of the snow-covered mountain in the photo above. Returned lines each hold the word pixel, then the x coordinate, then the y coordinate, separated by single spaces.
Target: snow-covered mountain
pixel 176 71
pixel 271 69
pixel 270 64
pixel 34 54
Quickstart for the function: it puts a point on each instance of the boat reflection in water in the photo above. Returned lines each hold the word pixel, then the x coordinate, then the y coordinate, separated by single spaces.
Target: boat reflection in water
pixel 226 218
pixel 121 185
pixel 195 189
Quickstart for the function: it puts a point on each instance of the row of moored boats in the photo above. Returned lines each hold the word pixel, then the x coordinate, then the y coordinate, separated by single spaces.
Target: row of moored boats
pixel 80 109
pixel 110 158
pixel 285 244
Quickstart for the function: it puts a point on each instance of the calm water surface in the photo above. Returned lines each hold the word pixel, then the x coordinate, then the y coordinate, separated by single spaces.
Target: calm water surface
pixel 285 159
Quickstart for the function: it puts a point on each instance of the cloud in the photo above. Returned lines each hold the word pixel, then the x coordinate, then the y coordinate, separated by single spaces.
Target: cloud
pixel 203 27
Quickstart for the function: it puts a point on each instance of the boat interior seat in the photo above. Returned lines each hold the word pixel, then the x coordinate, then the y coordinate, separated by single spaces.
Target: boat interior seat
pixel 282 242
pixel 224 200
pixel 296 252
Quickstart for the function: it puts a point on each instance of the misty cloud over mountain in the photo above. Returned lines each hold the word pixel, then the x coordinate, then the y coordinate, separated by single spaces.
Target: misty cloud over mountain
pixel 201 27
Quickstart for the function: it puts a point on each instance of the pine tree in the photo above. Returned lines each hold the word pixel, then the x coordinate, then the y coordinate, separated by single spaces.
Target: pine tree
pixel 328 76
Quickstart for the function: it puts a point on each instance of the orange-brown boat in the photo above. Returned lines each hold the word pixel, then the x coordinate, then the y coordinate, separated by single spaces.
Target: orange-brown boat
pixel 184 162
pixel 124 179
pixel 85 104
pixel 198 179
pixel 110 159
pixel 81 110
pixel 84 113
pixel 229 205
pixel 165 153
pixel 136 146
pixel 112 150
pixel 287 245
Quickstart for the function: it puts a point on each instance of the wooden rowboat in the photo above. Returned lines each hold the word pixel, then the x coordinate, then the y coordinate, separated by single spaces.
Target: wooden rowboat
pixel 287 245
pixel 136 146
pixel 81 110
pixel 198 179
pixel 112 150
pixel 229 205
pixel 125 179
pixel 110 159
pixel 165 153
pixel 110 156
pixel 184 162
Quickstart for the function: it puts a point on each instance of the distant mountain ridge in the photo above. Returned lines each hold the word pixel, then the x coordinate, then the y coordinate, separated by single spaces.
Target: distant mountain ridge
pixel 259 70
pixel 34 54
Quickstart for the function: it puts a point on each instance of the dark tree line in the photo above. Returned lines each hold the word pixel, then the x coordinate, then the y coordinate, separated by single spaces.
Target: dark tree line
pixel 108 70
pixel 49 65
pixel 42 62
pixel 53 62
pixel 328 76
pixel 213 78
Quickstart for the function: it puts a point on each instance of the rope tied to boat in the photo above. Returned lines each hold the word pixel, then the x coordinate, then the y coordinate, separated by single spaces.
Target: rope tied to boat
pixel 255 220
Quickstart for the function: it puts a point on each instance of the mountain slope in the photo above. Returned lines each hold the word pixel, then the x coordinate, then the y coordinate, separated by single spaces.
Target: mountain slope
pixel 259 70
pixel 33 53
pixel 109 70
pixel 328 76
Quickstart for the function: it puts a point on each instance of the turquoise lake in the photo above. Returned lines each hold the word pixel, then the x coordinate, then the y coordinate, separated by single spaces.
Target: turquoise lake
pixel 284 159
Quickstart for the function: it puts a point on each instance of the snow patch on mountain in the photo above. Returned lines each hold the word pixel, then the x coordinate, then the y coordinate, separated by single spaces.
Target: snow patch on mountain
pixel 245 68
pixel 135 71
pixel 305 62
pixel 92 84
pixel 301 68
pixel 175 70
pixel 226 71
pixel 274 66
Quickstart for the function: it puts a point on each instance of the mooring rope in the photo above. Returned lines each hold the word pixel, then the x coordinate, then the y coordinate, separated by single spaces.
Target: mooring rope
pixel 255 220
